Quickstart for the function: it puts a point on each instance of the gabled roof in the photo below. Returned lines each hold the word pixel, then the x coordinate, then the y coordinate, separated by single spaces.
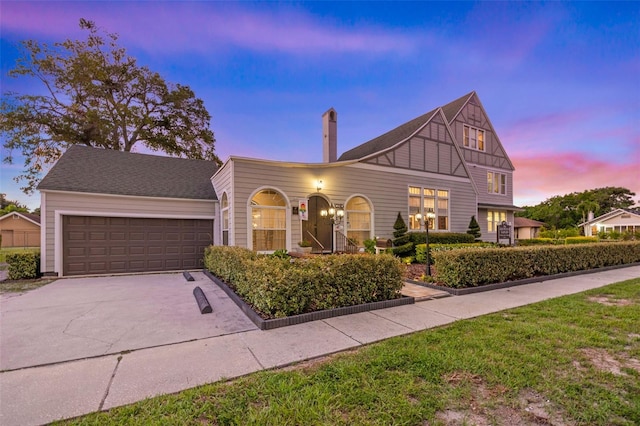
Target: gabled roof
pixel 388 139
pixel 611 214
pixel 34 218
pixel 103 171
pixel 404 131
pixel 452 109
pixel 525 222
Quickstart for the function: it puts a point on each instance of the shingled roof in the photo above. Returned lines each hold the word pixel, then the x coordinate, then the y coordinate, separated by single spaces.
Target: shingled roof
pixel 403 131
pixel 103 171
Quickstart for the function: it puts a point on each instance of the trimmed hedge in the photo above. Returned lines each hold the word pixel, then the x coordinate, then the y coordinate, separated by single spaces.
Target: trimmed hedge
pixel 581 240
pixel 538 242
pixel 441 238
pixel 421 248
pixel 23 265
pixel 476 267
pixel 279 287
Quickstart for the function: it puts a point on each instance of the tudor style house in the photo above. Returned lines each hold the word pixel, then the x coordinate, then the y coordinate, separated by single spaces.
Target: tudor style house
pixel 115 212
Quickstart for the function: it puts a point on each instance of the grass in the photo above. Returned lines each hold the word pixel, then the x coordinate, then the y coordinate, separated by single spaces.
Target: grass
pixel 547 363
pixel 22 286
pixel 4 251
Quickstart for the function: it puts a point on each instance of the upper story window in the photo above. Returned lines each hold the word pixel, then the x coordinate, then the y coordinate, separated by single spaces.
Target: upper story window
pixel 473 138
pixel 496 183
pixel 423 200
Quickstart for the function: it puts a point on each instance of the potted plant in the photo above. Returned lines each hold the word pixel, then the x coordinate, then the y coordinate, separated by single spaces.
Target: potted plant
pixel 305 246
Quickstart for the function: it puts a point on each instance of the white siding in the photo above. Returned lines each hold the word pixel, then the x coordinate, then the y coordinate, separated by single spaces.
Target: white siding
pixel 387 188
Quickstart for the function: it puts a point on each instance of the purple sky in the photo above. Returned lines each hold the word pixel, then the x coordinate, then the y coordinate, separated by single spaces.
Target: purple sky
pixel 560 81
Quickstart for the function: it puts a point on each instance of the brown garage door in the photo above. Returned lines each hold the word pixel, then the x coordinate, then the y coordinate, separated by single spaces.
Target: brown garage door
pixel 110 245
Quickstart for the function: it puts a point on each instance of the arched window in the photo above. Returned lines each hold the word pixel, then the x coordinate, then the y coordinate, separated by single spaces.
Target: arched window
pixel 358 214
pixel 268 221
pixel 224 205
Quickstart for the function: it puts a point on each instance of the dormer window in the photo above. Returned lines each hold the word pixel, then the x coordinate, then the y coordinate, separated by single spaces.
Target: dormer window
pixel 473 138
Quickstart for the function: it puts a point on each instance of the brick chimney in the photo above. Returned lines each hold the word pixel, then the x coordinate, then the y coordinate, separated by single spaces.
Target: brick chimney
pixel 330 136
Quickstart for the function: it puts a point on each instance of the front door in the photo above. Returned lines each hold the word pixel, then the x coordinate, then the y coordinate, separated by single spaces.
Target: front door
pixel 318 229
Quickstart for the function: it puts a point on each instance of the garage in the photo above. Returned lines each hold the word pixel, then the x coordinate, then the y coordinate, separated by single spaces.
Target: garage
pixel 111 245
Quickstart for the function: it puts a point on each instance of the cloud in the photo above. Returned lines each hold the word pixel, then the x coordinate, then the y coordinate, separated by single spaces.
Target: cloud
pixel 539 177
pixel 204 27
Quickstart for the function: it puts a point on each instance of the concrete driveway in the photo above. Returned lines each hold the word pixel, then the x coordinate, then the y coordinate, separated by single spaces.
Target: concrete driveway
pixel 75 318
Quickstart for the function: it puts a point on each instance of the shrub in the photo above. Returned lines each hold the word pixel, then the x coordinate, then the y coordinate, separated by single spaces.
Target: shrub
pixel 400 236
pixel 282 287
pixel 473 267
pixel 23 265
pixel 370 246
pixel 474 228
pixel 580 240
pixel 403 250
pixel 559 233
pixel 421 248
pixel 537 242
pixel 441 238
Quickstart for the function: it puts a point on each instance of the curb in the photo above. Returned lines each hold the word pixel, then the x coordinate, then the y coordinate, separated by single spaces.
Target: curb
pixel 270 324
pixel 497 286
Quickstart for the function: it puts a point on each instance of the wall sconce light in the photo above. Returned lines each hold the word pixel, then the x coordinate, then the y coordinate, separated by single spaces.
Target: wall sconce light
pixel 335 213
pixel 319 185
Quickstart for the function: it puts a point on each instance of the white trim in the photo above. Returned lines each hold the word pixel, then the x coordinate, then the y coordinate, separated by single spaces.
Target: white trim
pixel 43 233
pixel 58 226
pixel 131 196
pixel 413 173
pixel 287 216
pixel 372 224
pixel 6 216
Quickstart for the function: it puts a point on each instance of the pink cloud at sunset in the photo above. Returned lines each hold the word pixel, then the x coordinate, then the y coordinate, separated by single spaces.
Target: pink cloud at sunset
pixel 211 26
pixel 539 177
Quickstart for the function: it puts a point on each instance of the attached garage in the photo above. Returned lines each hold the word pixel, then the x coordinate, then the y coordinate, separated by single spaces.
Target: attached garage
pixel 110 245
pixel 113 212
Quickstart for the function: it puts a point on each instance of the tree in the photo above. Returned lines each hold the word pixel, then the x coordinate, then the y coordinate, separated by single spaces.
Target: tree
pixel 97 95
pixel 13 208
pixel 566 211
pixel 402 244
pixel 474 228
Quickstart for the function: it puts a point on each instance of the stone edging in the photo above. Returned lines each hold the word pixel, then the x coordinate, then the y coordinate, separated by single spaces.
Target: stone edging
pixel 489 287
pixel 270 324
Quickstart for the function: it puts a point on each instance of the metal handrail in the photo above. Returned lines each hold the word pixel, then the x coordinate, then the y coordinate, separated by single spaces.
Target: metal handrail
pixel 344 244
pixel 316 240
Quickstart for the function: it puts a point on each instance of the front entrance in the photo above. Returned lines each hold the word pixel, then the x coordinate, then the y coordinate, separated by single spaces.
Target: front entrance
pixel 318 229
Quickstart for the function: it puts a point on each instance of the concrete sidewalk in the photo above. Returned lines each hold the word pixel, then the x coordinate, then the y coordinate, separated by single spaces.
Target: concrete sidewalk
pixel 38 395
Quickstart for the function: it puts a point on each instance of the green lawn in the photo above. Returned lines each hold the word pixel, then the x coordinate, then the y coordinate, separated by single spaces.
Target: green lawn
pixel 571 360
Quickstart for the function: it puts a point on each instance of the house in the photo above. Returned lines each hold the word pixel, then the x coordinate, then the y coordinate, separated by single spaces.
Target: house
pixel 20 230
pixel 618 220
pixel 109 212
pixel 525 228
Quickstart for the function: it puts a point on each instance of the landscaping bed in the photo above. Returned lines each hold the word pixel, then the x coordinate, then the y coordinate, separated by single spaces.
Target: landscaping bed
pixel 281 287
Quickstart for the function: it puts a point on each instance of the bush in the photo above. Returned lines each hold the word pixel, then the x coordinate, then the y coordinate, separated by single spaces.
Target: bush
pixel 559 233
pixel 421 248
pixel 23 265
pixel 282 287
pixel 537 242
pixel 370 246
pixel 403 250
pixel 580 240
pixel 474 267
pixel 441 238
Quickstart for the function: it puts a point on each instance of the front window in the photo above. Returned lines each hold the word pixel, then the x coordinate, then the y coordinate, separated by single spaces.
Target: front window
pixel 424 200
pixel 225 219
pixel 268 220
pixel 358 219
pixel 495 218
pixel 473 138
pixel 496 183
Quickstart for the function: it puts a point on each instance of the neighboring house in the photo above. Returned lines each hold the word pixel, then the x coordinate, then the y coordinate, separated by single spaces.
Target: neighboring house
pixel 20 230
pixel 526 228
pixel 619 220
pixel 449 162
